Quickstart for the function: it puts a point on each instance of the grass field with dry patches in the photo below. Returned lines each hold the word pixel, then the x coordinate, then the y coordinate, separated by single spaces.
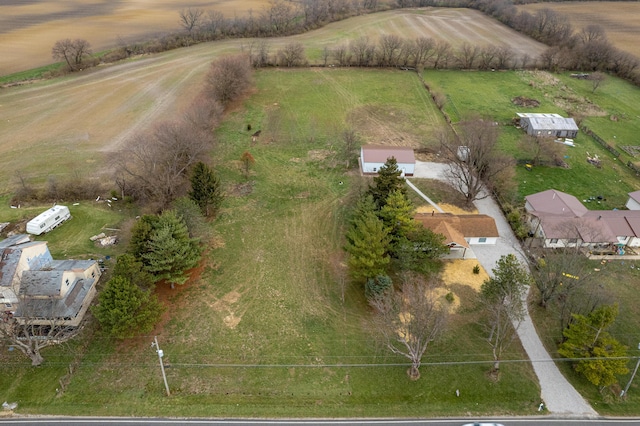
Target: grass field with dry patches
pixel 619 19
pixel 74 123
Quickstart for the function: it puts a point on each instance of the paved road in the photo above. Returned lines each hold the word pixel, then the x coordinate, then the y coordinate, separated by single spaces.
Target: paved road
pixel 559 395
pixel 543 421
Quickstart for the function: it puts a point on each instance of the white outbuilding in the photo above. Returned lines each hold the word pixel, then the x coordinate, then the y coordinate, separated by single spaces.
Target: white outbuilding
pixel 48 220
pixel 372 157
pixel 548 125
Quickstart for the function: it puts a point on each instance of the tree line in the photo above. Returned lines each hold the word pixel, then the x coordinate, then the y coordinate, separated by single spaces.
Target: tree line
pixel 586 50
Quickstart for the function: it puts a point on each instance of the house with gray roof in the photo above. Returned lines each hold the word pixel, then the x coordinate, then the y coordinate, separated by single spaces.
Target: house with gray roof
pixel 548 125
pixel 36 288
pixel 561 220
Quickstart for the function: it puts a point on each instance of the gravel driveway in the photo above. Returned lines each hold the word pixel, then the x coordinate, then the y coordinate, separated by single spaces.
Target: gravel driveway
pixel 559 396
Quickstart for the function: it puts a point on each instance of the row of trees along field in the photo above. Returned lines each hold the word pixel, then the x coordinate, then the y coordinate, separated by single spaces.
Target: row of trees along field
pixel 586 50
pixel 168 173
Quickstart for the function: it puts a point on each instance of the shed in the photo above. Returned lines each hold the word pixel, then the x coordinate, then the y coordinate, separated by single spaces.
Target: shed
pixel 373 157
pixel 48 220
pixel 548 125
pixel 633 203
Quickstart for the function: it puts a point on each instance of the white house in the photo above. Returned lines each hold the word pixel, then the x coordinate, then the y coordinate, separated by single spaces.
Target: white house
pixel 548 125
pixel 48 220
pixel 461 230
pixel 633 203
pixel 373 157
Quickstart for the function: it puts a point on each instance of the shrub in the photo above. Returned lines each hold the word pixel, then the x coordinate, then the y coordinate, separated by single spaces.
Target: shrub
pixel 476 269
pixel 376 287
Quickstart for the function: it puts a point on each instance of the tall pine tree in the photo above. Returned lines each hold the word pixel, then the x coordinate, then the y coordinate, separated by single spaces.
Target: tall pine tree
pixel 170 251
pixel 387 181
pixel 367 244
pixel 206 190
pixel 125 310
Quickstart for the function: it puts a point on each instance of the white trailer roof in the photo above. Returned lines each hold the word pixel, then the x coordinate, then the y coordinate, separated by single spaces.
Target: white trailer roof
pixel 42 217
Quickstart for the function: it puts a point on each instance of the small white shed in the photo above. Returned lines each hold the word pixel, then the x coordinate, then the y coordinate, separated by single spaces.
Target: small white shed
pixel 633 203
pixel 372 157
pixel 48 220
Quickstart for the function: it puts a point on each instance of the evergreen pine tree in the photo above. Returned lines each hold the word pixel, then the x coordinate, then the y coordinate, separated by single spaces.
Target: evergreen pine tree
pixel 124 309
pixel 367 244
pixel 387 181
pixel 206 190
pixel 170 250
pixel 397 215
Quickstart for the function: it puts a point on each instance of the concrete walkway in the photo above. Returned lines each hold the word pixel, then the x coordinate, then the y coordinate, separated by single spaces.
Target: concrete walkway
pixel 559 396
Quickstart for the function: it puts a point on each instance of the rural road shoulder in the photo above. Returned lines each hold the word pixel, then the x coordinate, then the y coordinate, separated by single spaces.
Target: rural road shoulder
pixel 559 396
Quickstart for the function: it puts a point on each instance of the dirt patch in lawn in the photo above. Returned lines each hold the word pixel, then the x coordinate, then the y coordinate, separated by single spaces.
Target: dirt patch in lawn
pixel 460 272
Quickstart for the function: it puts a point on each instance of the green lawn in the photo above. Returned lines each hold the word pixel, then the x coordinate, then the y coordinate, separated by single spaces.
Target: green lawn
pixel 273 327
pixel 489 95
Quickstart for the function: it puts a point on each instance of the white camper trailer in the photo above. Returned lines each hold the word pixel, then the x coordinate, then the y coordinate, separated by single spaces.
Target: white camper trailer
pixel 48 220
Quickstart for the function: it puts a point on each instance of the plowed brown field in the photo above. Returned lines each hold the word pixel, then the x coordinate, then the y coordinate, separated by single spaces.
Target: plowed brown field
pixel 621 20
pixel 28 28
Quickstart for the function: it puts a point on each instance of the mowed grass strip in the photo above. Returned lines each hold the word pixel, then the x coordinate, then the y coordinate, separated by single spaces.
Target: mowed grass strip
pixel 272 327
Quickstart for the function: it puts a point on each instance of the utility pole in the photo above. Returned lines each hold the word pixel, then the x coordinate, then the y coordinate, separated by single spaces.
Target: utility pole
pixel 160 355
pixel 635 370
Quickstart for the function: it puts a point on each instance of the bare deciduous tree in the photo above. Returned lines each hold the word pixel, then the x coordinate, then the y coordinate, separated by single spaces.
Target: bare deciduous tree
pixel 442 53
pixel 228 78
pixel 423 51
pixel 351 143
pixel 279 16
pixel 408 321
pixel 191 19
pixel 474 158
pixel 342 55
pixel 156 165
pixel 597 80
pixel 363 51
pixel 539 149
pixel 30 333
pixel 292 54
pixel 388 50
pixel 504 56
pixel 72 52
pixel 467 55
pixel 215 24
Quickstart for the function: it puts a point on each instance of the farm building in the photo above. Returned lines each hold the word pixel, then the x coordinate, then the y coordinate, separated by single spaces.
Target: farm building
pixel 548 125
pixel 36 288
pixel 372 157
pixel 48 220
pixel 561 220
pixel 633 203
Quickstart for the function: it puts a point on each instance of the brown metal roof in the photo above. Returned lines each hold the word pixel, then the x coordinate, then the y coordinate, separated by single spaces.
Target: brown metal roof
pixel 465 225
pixel 381 153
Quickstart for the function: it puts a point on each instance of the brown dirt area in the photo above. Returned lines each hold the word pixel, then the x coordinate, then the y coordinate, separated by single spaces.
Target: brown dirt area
pixel 460 272
pixel 619 19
